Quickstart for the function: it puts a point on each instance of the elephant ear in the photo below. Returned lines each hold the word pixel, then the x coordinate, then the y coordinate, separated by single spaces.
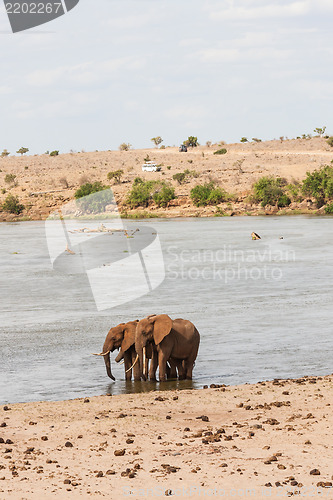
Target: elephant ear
pixel 162 327
pixel 129 336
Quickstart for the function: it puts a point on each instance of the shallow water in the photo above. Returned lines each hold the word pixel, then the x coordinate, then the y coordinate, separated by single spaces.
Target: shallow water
pixel 263 308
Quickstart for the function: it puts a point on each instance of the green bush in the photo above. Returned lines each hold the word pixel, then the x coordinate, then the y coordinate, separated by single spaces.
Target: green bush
pixel 329 209
pixel 12 205
pixel 4 153
pixel 268 190
pixel 220 151
pixel 330 141
pixel 283 201
pixel 244 139
pixel 54 153
pixel 191 141
pixel 165 194
pixel 208 194
pixel 125 146
pixel 116 175
pixel 294 191
pixel 143 192
pixel 93 198
pixel 319 184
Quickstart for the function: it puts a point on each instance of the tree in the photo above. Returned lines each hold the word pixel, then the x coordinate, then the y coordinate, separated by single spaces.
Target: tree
pixel 125 146
pixel 12 205
pixel 157 140
pixel 54 153
pixel 4 153
pixel 191 141
pixel 116 175
pixel 320 131
pixel 22 151
pixel 244 139
pixel 330 141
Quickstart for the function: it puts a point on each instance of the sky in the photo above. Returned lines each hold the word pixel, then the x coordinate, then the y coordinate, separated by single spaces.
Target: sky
pixel 113 71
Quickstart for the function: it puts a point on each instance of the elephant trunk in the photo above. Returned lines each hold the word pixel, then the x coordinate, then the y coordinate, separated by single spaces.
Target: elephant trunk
pixel 120 356
pixel 107 360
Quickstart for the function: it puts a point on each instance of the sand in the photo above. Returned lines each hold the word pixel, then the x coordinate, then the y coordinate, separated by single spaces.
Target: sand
pixel 46 183
pixel 270 439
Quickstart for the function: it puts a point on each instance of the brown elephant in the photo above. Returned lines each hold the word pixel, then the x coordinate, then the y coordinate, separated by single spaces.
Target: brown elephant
pixel 122 337
pixel 174 340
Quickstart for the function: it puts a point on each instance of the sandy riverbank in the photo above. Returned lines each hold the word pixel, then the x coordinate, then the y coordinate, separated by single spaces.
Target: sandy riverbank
pixel 270 439
pixel 44 184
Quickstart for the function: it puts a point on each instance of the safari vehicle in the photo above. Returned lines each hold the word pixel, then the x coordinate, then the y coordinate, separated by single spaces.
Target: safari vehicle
pixel 150 166
pixel 182 148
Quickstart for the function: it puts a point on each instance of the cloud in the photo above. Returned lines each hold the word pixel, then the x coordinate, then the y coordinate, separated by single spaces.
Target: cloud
pixel 275 10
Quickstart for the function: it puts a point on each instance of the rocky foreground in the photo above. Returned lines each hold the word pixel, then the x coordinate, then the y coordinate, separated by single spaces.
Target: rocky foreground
pixel 270 439
pixel 44 184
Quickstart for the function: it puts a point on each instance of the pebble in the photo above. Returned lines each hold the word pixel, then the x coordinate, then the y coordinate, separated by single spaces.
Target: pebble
pixel 68 444
pixel 314 472
pixel 119 453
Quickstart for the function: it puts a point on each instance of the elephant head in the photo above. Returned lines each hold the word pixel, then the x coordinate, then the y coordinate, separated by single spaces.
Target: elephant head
pixel 120 337
pixel 152 329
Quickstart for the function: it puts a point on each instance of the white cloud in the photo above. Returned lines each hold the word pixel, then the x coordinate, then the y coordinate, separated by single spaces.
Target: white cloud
pixel 235 13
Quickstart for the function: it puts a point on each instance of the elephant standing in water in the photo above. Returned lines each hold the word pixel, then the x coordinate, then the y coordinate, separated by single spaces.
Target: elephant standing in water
pixel 122 337
pixel 175 340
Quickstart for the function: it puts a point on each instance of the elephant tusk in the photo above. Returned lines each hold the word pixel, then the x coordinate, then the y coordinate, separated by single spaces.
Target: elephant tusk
pixel 144 361
pixel 122 362
pixel 101 353
pixel 136 359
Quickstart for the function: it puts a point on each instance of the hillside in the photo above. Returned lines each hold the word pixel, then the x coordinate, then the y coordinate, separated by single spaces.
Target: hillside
pixel 45 183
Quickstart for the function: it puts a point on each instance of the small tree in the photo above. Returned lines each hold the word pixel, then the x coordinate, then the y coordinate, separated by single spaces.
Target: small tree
pixel 330 141
pixel 125 146
pixel 179 177
pixel 115 175
pixel 54 153
pixel 255 139
pixel 10 179
pixel 22 151
pixel 244 139
pixel 157 140
pixel 12 205
pixel 320 131
pixel 191 141
pixel 4 153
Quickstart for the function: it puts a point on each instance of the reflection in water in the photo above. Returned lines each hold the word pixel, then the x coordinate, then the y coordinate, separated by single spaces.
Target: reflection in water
pixel 263 308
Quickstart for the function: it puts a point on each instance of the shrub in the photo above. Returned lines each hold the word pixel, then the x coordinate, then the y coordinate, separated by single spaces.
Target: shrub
pixel 10 179
pixel 12 205
pixel 268 190
pixel 143 192
pixel 180 177
pixel 254 139
pixel 244 139
pixel 93 198
pixel 294 191
pixel 169 167
pixel 191 141
pixel 63 182
pixel 191 173
pixel 4 153
pixel 319 184
pixel 116 175
pixel 208 194
pixel 330 141
pixel 125 146
pixel 22 151
pixel 320 131
pixel 54 153
pixel 329 209
pixel 165 194
pixel 283 201
pixel 220 151
pixel 157 140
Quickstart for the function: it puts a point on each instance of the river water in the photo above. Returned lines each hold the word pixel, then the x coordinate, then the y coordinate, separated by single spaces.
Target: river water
pixel 263 308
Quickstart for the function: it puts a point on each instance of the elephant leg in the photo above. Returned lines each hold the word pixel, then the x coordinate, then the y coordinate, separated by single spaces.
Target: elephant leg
pixel 190 362
pixel 136 367
pixel 162 361
pixel 153 365
pixel 127 364
pixel 181 369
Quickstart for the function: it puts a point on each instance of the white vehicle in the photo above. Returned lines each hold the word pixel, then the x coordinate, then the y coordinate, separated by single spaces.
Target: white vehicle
pixel 150 166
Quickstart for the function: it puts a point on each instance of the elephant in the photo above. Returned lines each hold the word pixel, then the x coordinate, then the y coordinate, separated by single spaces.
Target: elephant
pixel 122 337
pixel 174 340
